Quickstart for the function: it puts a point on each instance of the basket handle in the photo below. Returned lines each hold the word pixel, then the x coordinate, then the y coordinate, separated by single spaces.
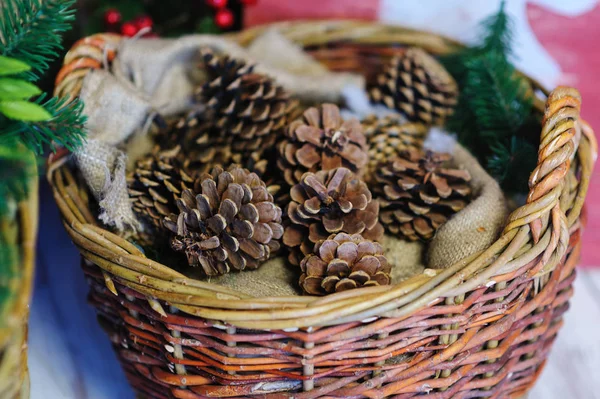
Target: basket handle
pixel 562 130
pixel 92 52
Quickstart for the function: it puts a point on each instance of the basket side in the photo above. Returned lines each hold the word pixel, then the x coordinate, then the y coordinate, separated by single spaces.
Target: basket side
pixel 512 255
pixel 481 328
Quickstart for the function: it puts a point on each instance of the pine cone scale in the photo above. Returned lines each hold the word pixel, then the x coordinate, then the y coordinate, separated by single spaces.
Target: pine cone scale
pixel 417 195
pixel 226 226
pixel 329 202
pixel 416 84
pixel 343 262
pixel 322 140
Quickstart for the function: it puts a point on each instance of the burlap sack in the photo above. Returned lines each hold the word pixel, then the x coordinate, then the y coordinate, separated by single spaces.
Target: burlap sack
pixel 158 76
pixel 479 224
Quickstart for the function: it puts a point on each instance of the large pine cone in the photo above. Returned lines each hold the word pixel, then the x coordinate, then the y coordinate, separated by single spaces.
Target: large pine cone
pixel 156 183
pixel 418 86
pixel 232 223
pixel 329 202
pixel 246 105
pixel 342 262
pixel 389 137
pixel 418 194
pixel 322 140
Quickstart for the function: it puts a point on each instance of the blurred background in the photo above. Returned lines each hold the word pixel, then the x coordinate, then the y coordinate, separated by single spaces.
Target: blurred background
pixel 556 42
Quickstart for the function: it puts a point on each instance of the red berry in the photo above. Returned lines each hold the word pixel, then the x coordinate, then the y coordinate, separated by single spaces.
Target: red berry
pixel 216 3
pixel 224 18
pixel 144 21
pixel 129 29
pixel 112 16
pixel 249 2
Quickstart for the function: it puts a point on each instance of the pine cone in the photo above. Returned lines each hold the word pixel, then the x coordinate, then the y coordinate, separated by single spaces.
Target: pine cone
pixel 388 137
pixel 329 202
pixel 156 183
pixel 418 86
pixel 246 105
pixel 342 262
pixel 322 140
pixel 202 144
pixel 417 194
pixel 231 224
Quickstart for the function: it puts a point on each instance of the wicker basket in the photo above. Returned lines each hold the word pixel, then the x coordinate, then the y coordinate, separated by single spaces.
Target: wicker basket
pixel 14 312
pixel 480 328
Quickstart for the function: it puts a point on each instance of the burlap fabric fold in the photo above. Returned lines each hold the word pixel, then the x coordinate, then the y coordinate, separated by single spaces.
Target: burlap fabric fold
pixel 157 77
pixel 475 227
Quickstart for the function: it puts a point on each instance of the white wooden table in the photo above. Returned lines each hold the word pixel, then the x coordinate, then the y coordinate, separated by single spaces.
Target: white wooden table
pixel 71 358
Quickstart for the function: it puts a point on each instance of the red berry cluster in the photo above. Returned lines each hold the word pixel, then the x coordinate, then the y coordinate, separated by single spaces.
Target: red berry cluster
pixel 113 22
pixel 224 17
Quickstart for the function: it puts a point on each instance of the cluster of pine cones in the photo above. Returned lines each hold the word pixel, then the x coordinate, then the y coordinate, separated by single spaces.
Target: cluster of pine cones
pixel 250 170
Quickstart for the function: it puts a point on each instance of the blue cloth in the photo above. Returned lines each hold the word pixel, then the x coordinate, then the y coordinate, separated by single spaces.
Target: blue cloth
pixel 70 356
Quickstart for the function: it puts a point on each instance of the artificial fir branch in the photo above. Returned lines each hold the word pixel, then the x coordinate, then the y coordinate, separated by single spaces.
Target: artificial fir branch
pixel 64 129
pixel 494 112
pixel 31 31
pixel 510 159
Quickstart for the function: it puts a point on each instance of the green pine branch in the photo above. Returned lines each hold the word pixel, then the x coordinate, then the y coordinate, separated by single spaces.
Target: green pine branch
pixel 31 31
pixel 497 98
pixel 494 113
pixel 510 162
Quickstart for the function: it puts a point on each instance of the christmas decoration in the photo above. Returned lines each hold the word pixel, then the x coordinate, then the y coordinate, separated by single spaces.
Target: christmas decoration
pixel 329 202
pixel 31 33
pixel 144 22
pixel 217 3
pixel 322 140
pixel 342 262
pixel 417 86
pixel 129 29
pixel 388 137
pixel 418 193
pixel 157 183
pixel 112 17
pixel 247 109
pixel 224 18
pixel 31 36
pixel 494 117
pixel 231 224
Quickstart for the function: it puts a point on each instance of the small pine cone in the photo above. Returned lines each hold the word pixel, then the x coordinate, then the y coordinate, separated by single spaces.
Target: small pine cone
pixel 247 105
pixel 418 86
pixel 343 262
pixel 231 224
pixel 322 140
pixel 156 183
pixel 418 194
pixel 329 202
pixel 389 137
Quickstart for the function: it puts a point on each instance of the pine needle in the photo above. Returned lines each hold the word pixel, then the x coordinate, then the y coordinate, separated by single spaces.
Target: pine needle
pixel 494 111
pixel 31 31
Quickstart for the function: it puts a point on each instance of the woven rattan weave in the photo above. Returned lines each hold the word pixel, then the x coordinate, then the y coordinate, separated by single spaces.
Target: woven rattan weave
pixel 480 328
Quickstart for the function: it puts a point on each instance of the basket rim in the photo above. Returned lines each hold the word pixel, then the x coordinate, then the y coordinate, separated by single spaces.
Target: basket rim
pixel 534 241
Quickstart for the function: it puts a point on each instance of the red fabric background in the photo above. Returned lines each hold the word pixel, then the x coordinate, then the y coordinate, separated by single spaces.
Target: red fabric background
pixel 281 10
pixel 573 42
